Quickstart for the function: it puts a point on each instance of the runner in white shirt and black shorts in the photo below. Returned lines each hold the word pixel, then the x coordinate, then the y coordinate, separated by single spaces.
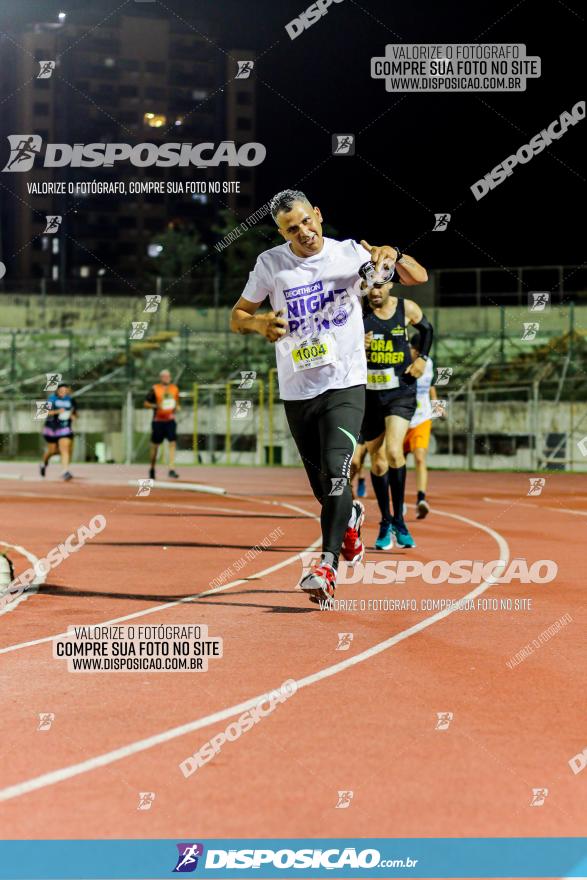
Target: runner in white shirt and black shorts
pixel 313 285
pixel 417 439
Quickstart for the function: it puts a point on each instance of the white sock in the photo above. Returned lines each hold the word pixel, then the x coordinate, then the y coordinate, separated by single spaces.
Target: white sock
pixel 328 559
pixel 355 515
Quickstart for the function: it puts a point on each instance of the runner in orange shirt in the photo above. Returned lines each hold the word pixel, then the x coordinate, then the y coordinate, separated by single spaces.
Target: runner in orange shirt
pixel 163 399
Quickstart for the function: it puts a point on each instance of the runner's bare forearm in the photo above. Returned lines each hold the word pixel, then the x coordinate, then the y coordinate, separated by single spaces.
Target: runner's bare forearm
pixel 243 322
pixel 410 271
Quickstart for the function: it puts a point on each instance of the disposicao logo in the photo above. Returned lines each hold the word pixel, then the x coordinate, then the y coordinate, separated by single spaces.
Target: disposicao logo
pixel 527 152
pixel 187 860
pixel 24 148
pixel 316 859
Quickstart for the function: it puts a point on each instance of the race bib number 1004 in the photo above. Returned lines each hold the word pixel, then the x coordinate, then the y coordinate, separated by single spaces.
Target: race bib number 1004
pixel 313 353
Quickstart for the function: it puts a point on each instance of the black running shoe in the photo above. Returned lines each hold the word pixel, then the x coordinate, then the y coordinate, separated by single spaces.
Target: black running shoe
pixel 152 473
pixel 173 474
pixel 42 469
pixel 67 476
pixel 423 509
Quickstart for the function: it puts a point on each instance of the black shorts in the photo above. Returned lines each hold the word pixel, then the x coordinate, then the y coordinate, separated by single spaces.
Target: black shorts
pixel 55 434
pixel 161 431
pixel 378 406
pixel 325 429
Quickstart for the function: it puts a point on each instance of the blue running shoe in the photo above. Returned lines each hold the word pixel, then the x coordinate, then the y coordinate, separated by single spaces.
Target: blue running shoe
pixel 361 488
pixel 402 536
pixel 384 538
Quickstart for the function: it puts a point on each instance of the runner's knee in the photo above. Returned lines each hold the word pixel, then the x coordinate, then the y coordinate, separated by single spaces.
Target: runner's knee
pixel 316 482
pixel 395 454
pixel 335 472
pixel 379 463
pixel 379 466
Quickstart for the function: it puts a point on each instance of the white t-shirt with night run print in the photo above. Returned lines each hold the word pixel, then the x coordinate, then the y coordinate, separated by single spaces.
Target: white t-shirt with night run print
pixel 319 295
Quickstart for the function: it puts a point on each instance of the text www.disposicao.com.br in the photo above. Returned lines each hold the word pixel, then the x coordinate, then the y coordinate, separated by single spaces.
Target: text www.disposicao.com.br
pixel 134 664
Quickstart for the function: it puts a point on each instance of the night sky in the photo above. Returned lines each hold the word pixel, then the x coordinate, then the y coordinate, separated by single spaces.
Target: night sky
pixel 424 153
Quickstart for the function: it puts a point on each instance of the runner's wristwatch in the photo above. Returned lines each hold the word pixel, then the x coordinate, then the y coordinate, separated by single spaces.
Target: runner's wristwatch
pixel 399 253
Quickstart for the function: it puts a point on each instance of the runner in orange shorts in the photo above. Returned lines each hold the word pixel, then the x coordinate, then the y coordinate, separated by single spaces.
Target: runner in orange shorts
pixel 417 439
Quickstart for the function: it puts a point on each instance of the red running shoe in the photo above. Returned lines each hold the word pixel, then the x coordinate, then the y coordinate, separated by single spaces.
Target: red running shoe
pixel 319 583
pixel 353 550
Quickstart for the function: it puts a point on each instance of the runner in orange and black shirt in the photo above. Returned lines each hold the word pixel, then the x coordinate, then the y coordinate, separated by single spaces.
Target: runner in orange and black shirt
pixel 163 398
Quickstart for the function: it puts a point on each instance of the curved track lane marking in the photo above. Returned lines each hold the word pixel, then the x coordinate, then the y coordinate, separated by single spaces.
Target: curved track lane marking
pixel 155 608
pixel 56 776
pixel 533 506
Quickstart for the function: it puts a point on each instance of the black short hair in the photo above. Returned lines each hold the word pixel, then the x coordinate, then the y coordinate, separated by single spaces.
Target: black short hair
pixel 63 385
pixel 284 201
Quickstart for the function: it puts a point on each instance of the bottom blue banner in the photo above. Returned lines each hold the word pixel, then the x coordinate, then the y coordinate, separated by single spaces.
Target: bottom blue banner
pixel 529 857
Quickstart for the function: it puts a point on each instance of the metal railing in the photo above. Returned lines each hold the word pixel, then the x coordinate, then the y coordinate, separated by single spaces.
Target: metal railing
pixel 479 286
pixel 220 423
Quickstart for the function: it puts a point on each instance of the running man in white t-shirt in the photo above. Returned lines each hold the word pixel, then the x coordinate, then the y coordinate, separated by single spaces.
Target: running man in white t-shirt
pixel 316 323
pixel 417 439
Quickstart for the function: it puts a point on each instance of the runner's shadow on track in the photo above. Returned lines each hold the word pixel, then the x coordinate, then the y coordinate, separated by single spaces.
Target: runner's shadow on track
pixel 228 515
pixel 67 592
pixel 191 544
pixel 272 609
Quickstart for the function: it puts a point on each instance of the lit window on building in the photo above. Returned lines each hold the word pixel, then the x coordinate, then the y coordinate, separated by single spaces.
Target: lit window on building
pixel 154 120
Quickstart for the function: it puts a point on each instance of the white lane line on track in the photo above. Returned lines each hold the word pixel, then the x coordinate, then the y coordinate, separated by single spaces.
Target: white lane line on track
pixel 159 484
pixel 34 585
pixel 56 776
pixel 186 599
pixel 185 487
pixel 152 502
pixel 534 507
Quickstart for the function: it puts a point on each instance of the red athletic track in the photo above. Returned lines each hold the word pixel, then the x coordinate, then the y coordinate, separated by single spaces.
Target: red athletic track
pixel 370 728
